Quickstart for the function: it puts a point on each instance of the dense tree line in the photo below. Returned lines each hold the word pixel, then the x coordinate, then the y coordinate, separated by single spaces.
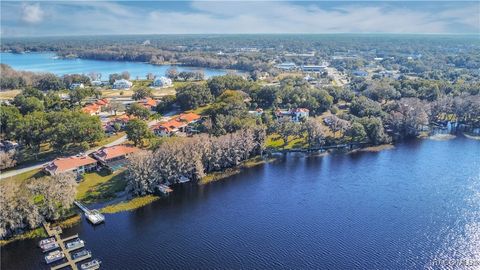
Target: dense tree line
pixel 191 158
pixel 25 205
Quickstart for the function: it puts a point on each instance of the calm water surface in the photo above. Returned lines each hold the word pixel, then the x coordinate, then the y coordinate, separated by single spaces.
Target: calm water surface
pixel 47 62
pixel 415 206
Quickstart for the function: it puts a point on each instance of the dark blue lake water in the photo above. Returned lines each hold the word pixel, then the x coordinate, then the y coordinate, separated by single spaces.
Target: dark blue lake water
pixel 47 62
pixel 415 206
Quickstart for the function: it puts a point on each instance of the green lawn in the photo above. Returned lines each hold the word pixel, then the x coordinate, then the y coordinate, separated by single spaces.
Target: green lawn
pixel 276 141
pixel 25 176
pixel 130 205
pixel 100 186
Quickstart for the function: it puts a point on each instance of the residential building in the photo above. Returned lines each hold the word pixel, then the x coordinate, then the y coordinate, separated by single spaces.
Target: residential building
pixel 148 103
pixel 78 164
pixel 360 73
pixel 314 68
pixel 77 85
pixel 114 157
pixel 182 123
pixel 258 112
pixel 297 114
pixel 162 82
pixel 287 66
pixel 91 109
pixel 122 84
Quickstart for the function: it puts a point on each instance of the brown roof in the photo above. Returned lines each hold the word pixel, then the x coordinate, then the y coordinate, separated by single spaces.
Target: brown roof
pixel 91 108
pixel 60 165
pixel 115 151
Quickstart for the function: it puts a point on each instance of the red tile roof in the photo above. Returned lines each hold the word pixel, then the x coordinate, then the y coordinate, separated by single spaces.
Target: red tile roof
pixel 91 109
pixel 188 117
pixel 60 165
pixel 107 153
pixel 102 102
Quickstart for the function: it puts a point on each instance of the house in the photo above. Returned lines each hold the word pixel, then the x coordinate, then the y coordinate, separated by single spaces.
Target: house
pixel 314 68
pixel 92 109
pixel 114 157
pixel 257 113
pixel 122 84
pixel 182 123
pixel 76 85
pixel 162 82
pixel 148 103
pixel 78 164
pixel 287 66
pixel 360 73
pixel 297 114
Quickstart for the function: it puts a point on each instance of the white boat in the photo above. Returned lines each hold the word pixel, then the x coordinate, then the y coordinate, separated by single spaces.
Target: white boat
pixel 81 254
pixel 76 244
pixel 91 265
pixel 54 256
pixel 46 241
pixel 50 246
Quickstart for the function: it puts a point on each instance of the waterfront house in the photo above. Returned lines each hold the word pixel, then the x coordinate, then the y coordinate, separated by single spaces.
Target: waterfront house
pixel 114 157
pixel 122 84
pixel 74 86
pixel 162 82
pixel 78 164
pixel 296 115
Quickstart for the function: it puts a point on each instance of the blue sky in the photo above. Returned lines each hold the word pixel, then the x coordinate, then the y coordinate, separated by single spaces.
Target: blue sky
pixel 47 18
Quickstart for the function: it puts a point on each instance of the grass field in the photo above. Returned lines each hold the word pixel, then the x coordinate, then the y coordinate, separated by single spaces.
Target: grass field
pixel 130 205
pixel 100 186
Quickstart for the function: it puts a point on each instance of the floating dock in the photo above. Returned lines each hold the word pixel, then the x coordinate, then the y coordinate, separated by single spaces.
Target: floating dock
pixel 94 216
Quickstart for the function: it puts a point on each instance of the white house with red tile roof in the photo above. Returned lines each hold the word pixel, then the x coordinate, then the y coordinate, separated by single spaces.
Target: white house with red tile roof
pixel 77 164
pixel 177 124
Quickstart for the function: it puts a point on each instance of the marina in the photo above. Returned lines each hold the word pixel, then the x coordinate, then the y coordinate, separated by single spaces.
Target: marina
pixel 66 246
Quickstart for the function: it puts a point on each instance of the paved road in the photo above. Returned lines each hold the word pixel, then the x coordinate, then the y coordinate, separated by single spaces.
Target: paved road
pixel 39 165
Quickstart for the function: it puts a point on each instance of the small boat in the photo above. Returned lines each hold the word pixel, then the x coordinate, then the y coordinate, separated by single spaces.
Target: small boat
pixel 80 254
pixel 54 256
pixel 46 241
pixel 76 244
pixel 91 265
pixel 49 247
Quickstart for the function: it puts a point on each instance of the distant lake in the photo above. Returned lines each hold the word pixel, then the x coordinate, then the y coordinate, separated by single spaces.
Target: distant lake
pixel 416 206
pixel 48 62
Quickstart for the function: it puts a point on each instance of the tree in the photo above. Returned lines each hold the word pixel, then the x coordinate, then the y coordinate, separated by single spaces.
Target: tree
pixel 7 159
pixel 28 104
pixel 73 129
pixel 9 118
pixel 54 194
pixel 315 133
pixel 137 130
pixel 77 95
pixel 381 91
pixel 337 124
pixel 126 75
pixel 363 106
pixel 31 130
pixel 138 111
pixel 166 104
pixel 218 84
pixel 374 129
pixel 114 77
pixel 172 73
pixel 50 82
pixel 357 133
pixel 409 117
pixel 193 95
pixel 285 127
pixel 116 106
pixel 142 93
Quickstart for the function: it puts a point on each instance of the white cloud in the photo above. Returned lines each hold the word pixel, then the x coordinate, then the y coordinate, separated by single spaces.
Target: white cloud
pixel 91 17
pixel 32 13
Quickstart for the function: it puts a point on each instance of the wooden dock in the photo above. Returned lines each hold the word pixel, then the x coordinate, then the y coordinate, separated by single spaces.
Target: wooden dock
pixel 94 216
pixel 61 242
